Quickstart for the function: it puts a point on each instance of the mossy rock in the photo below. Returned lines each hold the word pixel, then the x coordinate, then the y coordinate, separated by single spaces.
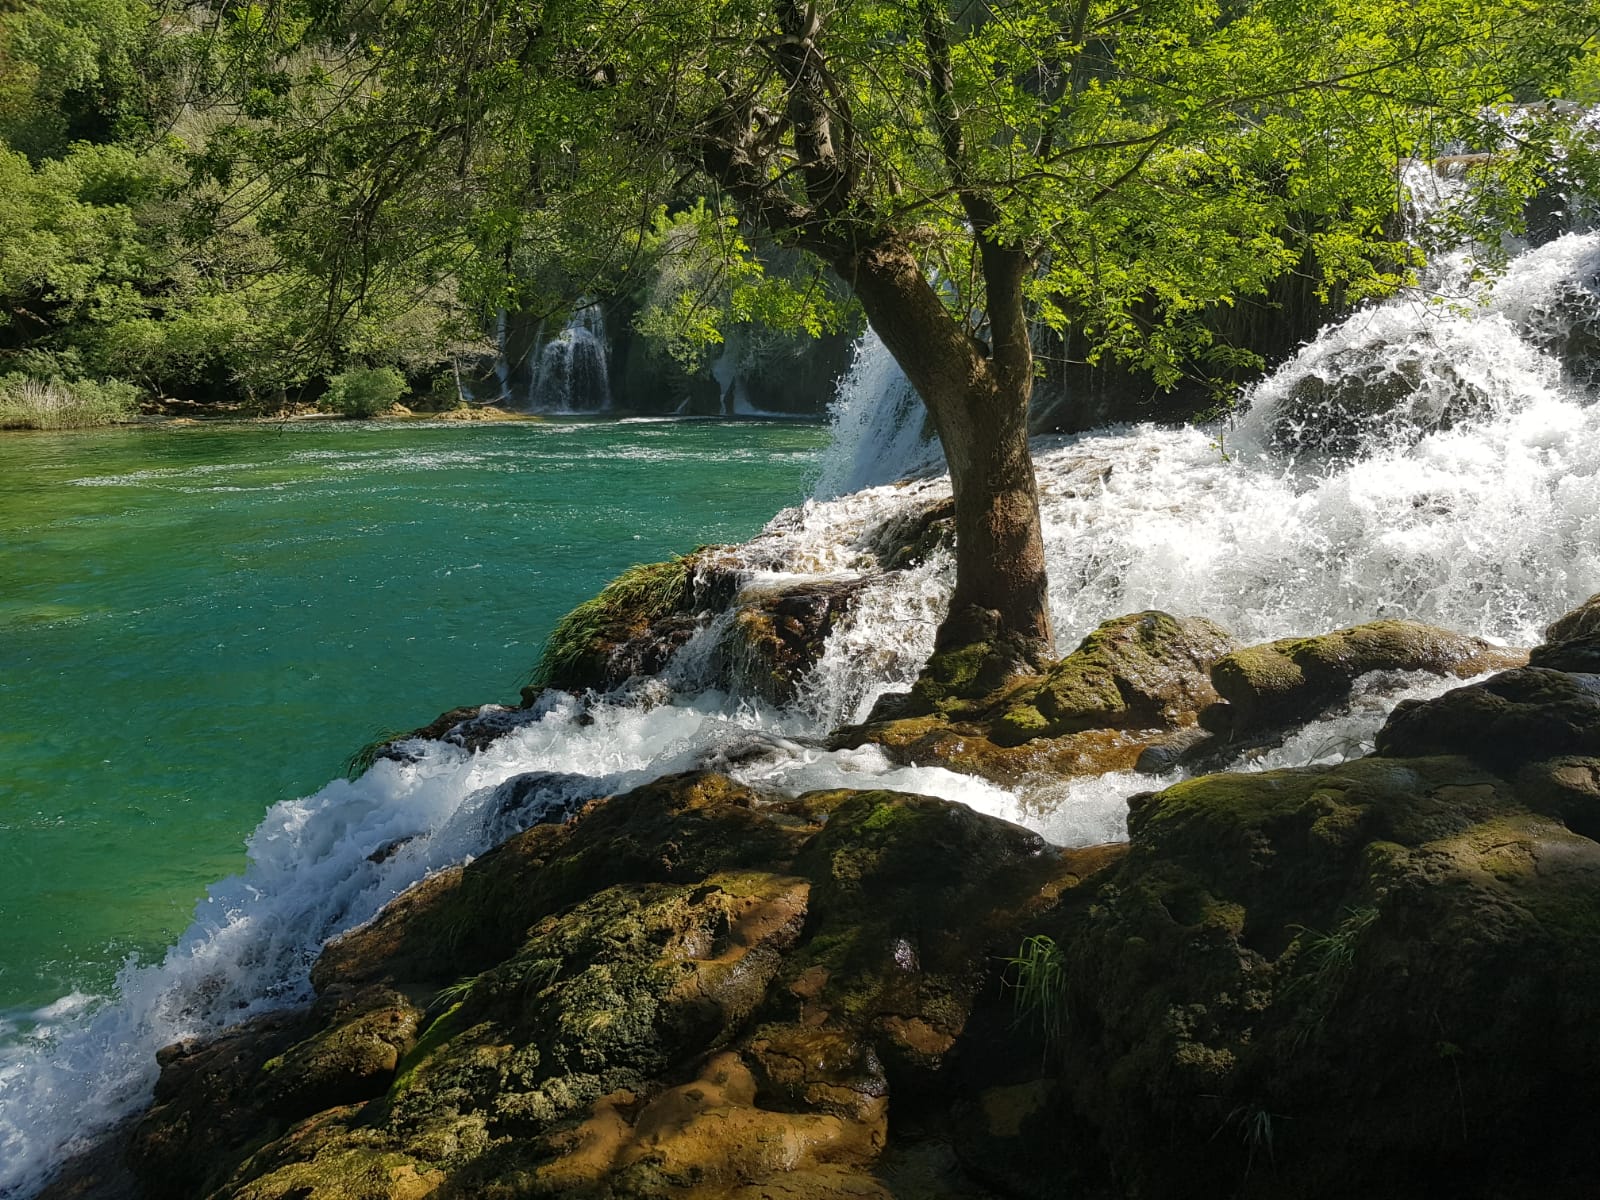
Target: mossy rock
pixel 609 638
pixel 1283 682
pixel 1378 978
pixel 978 709
pixel 1508 720
pixel 778 635
pixel 1149 670
pixel 459 921
pixel 689 992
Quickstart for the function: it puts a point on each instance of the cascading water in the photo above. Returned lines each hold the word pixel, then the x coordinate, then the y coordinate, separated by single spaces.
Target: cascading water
pixel 570 374
pixel 1431 460
pixel 878 426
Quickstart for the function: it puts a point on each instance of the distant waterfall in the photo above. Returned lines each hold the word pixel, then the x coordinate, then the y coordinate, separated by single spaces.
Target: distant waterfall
pixel 878 426
pixel 570 374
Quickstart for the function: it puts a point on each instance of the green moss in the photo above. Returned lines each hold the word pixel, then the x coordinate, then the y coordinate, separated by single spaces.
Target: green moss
pixel 1293 677
pixel 436 1035
pixel 574 654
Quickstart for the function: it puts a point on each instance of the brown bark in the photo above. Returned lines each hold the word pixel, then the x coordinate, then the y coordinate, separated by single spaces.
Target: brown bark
pixel 979 405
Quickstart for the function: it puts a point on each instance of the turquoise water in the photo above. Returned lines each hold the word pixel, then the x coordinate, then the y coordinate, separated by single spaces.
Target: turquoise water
pixel 197 622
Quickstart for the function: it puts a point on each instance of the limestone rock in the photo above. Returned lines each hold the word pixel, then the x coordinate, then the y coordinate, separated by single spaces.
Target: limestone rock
pixel 1373 979
pixel 1572 643
pixel 1145 671
pixel 1359 397
pixel 1513 718
pixel 688 991
pixel 1288 680
pixel 778 635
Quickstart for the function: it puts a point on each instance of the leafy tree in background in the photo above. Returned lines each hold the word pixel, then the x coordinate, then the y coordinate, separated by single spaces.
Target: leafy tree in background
pixel 122 256
pixel 964 168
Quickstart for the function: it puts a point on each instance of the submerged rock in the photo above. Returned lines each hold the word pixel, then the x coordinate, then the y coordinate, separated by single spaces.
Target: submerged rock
pixel 1367 394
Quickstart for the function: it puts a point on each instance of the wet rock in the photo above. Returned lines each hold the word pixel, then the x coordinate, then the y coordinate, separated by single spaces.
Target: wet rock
pixel 630 628
pixel 909 538
pixel 987 709
pixel 682 993
pixel 1145 671
pixel 1565 324
pixel 209 1109
pixel 1513 718
pixel 1359 398
pixel 350 1060
pixel 778 634
pixel 1572 643
pixel 1286 681
pixel 539 798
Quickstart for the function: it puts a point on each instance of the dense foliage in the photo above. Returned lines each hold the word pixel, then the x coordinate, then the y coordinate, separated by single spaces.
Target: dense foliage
pixel 246 198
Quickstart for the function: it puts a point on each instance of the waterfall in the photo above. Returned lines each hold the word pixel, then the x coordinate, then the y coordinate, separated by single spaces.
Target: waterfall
pixel 570 374
pixel 878 426
pixel 1423 459
pixel 502 363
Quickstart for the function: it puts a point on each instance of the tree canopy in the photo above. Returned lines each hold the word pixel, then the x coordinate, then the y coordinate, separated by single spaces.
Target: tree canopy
pixel 968 169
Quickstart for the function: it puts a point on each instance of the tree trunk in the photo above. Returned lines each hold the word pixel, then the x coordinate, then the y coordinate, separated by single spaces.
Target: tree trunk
pixel 978 399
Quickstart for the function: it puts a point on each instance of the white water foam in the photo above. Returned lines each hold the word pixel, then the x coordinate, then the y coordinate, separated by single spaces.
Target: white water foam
pixel 878 426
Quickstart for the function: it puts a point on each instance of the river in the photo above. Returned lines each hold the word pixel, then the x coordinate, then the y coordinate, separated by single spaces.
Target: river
pixel 198 622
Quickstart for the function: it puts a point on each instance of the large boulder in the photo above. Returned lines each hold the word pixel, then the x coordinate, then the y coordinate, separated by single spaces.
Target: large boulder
pixel 985 708
pixel 1283 682
pixel 1508 720
pixel 1376 979
pixel 1145 671
pixel 687 991
pixel 1368 393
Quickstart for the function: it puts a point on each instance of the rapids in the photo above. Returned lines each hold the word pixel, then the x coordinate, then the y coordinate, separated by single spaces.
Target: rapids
pixel 1426 459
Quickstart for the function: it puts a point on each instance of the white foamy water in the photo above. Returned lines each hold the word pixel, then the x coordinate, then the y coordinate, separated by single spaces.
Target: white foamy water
pixel 1424 460
pixel 878 426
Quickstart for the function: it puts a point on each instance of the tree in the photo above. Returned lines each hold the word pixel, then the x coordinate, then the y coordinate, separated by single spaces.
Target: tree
pixel 966 168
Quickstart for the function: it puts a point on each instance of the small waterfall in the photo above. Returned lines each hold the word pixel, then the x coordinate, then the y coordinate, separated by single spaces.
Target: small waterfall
pixel 878 426
pixel 1393 373
pixel 571 374
pixel 502 363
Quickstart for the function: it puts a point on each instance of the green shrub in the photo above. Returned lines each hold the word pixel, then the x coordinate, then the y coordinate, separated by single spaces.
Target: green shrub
pixel 27 403
pixel 364 393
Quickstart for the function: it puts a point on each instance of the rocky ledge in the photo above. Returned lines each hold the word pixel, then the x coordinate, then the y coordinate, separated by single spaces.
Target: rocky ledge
pixel 1380 978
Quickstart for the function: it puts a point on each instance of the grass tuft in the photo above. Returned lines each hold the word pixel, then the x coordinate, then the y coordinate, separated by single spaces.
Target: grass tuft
pixel 62 404
pixel 359 763
pixel 1038 975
